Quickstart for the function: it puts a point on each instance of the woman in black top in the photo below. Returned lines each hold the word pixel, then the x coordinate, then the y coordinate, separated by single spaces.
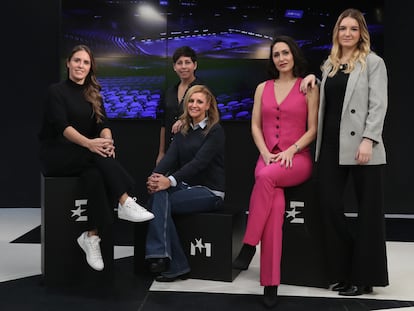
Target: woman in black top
pixel 75 140
pixel 189 178
pixel 350 156
pixel 185 65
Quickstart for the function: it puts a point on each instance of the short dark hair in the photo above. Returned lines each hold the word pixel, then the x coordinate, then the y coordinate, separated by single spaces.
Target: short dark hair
pixel 184 51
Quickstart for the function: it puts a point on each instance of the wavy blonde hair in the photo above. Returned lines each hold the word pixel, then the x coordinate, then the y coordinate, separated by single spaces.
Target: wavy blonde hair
pixel 212 113
pixel 362 50
pixel 92 87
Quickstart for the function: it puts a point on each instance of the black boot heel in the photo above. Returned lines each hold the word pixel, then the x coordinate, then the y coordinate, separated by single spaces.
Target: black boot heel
pixel 245 257
pixel 270 296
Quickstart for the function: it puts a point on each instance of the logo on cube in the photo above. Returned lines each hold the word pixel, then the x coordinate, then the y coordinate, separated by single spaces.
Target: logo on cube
pixel 200 246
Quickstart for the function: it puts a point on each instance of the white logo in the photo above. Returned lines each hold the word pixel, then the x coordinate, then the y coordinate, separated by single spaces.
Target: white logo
pixel 79 210
pixel 200 246
pixel 293 212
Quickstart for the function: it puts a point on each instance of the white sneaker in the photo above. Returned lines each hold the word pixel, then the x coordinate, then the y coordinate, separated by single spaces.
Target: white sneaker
pixel 132 211
pixel 90 245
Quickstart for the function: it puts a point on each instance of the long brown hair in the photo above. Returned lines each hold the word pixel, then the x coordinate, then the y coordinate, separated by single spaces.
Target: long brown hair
pixel 212 113
pixel 92 86
pixel 363 47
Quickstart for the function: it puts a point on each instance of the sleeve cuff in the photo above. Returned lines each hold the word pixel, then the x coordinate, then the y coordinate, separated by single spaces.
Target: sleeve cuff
pixel 173 181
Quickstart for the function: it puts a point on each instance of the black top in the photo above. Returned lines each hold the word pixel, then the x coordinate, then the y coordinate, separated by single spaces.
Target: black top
pixel 173 109
pixel 196 159
pixel 334 93
pixel 66 106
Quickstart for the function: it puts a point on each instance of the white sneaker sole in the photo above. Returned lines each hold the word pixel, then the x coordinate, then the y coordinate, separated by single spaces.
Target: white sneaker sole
pixel 140 219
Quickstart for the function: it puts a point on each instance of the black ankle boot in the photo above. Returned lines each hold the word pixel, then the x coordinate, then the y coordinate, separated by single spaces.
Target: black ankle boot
pixel 245 257
pixel 270 296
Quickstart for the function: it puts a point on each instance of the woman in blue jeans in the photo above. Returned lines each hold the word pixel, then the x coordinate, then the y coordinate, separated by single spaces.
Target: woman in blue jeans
pixel 189 179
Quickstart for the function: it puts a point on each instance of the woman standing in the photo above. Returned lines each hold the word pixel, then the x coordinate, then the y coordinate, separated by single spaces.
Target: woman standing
pixel 184 64
pixel 284 122
pixel 75 140
pixel 349 144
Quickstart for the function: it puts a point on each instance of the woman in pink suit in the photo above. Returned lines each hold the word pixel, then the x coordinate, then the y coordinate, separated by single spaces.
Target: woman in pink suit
pixel 284 123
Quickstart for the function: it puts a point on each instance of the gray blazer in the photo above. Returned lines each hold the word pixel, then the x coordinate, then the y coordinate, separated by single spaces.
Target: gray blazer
pixel 363 112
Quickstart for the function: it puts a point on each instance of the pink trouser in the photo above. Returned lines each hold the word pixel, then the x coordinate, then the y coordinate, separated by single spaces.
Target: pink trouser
pixel 267 209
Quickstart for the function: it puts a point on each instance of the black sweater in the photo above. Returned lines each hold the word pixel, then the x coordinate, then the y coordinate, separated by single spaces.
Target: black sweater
pixel 196 159
pixel 66 106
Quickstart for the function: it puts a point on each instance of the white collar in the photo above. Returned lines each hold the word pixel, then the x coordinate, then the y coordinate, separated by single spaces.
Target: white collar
pixel 202 124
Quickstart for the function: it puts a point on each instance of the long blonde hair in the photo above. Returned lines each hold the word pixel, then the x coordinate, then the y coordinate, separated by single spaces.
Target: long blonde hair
pixel 362 50
pixel 92 86
pixel 212 113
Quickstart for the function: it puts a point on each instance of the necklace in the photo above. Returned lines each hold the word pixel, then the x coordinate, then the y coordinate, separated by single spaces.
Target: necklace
pixel 343 66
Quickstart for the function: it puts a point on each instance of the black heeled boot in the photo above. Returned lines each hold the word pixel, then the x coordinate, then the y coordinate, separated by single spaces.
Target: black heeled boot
pixel 245 257
pixel 270 296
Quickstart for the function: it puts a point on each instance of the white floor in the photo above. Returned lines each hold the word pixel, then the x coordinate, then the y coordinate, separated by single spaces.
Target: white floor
pixel 401 272
pixel 19 260
pixel 22 260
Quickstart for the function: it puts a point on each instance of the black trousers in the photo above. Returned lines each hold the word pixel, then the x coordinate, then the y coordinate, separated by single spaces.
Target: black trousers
pixel 104 179
pixel 354 254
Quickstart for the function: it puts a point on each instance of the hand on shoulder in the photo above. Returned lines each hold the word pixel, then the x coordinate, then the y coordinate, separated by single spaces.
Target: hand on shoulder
pixel 307 83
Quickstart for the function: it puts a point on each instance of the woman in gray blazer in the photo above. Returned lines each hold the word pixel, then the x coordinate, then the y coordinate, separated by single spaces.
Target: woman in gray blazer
pixel 349 145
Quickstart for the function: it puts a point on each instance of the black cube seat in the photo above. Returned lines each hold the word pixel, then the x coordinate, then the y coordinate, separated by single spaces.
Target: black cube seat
pixel 210 240
pixel 302 254
pixel 63 219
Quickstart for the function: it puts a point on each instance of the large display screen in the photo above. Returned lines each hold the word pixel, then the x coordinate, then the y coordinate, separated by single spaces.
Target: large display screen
pixel 133 42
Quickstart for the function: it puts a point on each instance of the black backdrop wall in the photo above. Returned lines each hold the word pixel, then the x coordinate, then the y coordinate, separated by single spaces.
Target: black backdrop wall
pixel 30 62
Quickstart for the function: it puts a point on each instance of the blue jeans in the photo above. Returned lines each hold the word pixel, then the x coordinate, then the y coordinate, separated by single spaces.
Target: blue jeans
pixel 162 238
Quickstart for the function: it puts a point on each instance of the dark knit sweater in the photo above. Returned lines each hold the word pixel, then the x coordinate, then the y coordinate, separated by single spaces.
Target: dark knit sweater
pixel 196 159
pixel 66 106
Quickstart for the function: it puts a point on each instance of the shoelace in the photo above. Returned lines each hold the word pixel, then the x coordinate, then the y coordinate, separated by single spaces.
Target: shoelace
pixel 94 248
pixel 135 207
